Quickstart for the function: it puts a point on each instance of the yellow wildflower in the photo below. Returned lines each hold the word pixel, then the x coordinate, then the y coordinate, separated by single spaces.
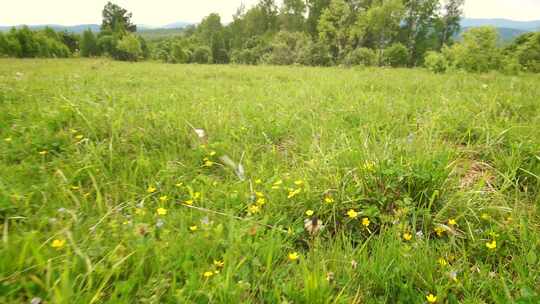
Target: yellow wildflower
pixel 196 195
pixel 407 236
pixel 261 201
pixel 352 214
pixel 258 181
pixel 58 244
pixel 212 153
pixel 151 189
pixel 75 188
pixel 208 163
pixel 164 198
pixel 293 256
pixel 180 184
pixel 254 209
pixel 309 212
pixel 299 182
pixel 293 193
pixel 442 262
pixel 439 230
pixel 491 245
pixel 193 228
pixel 259 194
pixel 79 137
pixel 431 298
pixel 485 216
pixel 452 222
pixel 218 263
pixel 161 211
pixel 328 200
pixel 208 274
pixel 365 222
pixel 44 152
pixel 189 202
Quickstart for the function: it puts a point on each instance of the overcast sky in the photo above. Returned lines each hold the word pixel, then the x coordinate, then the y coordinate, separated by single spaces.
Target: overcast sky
pixel 160 12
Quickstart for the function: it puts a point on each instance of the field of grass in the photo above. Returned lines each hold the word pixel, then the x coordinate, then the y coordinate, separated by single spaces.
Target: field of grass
pixel 427 186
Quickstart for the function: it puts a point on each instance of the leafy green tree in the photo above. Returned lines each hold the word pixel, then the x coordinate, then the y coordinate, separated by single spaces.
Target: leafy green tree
pixel 435 62
pixel 418 27
pixel 287 48
pixel 316 54
pixel 528 53
pixel 202 54
pixel 396 55
pixel 89 44
pixel 29 45
pixel 449 24
pixel 128 48
pixel 315 9
pixel 379 25
pixel 478 52
pixel 291 16
pixel 334 27
pixel 71 40
pixel 116 18
pixel 362 56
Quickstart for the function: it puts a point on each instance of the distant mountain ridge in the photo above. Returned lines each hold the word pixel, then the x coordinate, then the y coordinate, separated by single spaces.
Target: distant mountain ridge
pixel 95 27
pixel 527 26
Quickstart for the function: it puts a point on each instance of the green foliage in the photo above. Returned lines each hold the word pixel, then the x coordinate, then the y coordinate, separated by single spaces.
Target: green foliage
pixel 317 54
pixel 288 48
pixel 528 52
pixel 435 62
pixel 26 43
pixel 362 56
pixel 478 52
pixel 202 55
pixel 128 48
pixel 89 44
pixel 334 27
pixel 116 19
pixel 396 55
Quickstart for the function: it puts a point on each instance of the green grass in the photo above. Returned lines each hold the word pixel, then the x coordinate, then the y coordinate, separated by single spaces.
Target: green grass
pixel 406 149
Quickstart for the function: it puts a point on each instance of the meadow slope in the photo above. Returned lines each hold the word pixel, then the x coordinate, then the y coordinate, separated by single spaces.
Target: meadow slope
pixel 428 186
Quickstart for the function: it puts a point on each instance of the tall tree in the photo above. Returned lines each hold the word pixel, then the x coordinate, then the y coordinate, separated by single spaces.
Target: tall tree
pixel 315 10
pixel 418 27
pixel 292 15
pixel 89 46
pixel 449 23
pixel 334 27
pixel 116 18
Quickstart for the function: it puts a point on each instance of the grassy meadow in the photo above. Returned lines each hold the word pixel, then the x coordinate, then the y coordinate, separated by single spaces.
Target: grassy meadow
pixel 354 185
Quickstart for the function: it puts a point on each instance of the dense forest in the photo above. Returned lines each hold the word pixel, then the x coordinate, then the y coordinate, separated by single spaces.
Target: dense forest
pixel 305 32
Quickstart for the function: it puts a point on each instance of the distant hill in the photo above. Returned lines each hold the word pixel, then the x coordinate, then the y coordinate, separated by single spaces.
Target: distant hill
pixel 70 28
pixel 95 27
pixel 526 26
pixel 508 29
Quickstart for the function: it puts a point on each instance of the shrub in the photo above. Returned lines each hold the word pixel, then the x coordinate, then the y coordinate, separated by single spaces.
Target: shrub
pixel 478 52
pixel 396 55
pixel 361 56
pixel 202 54
pixel 89 44
pixel 316 54
pixel 178 54
pixel 128 49
pixel 528 53
pixel 287 48
pixel 435 62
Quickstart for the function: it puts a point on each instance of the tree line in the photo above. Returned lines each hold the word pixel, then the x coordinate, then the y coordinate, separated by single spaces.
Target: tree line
pixel 305 32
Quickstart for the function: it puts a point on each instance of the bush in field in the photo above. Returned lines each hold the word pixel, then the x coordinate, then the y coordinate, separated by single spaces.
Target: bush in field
pixel 316 54
pixel 435 62
pixel 128 49
pixel 253 51
pixel 202 54
pixel 361 56
pixel 9 46
pixel 178 54
pixel 287 48
pixel 528 53
pixel 478 52
pixel 89 44
pixel 396 55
